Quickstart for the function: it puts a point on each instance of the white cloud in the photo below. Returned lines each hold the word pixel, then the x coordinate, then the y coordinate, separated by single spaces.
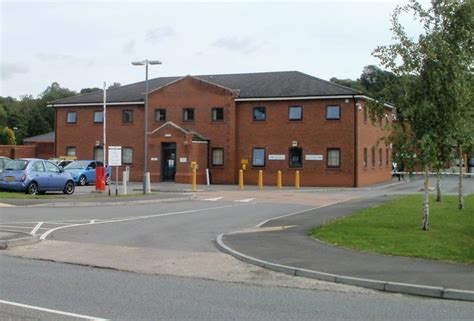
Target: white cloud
pixel 244 45
pixel 129 47
pixel 159 34
pixel 9 70
pixel 52 57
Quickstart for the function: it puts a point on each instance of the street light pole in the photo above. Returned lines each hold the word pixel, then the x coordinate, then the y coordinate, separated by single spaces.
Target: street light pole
pixel 146 175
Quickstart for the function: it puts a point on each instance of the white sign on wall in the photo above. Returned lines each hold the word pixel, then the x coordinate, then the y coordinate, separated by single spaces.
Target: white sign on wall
pixel 314 157
pixel 183 160
pixel 115 156
pixel 276 157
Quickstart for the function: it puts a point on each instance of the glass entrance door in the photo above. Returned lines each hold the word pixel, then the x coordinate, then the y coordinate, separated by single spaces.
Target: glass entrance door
pixel 168 161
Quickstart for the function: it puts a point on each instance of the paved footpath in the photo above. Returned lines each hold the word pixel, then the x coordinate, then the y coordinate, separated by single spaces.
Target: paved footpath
pixel 285 241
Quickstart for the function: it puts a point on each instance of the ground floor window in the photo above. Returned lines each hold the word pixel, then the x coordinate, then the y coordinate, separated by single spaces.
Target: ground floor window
pixel 334 157
pixel 98 153
pixel 365 157
pixel 296 157
pixel 71 151
pixel 218 156
pixel 258 157
pixel 127 155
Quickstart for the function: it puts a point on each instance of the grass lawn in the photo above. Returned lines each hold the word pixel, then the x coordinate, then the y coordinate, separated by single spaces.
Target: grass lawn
pixel 394 228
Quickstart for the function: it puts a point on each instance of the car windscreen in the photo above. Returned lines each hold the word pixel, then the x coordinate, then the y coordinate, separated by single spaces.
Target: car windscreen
pixel 77 165
pixel 16 165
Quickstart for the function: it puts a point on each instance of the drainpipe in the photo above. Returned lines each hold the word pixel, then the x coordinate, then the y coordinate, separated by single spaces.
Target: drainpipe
pixel 356 149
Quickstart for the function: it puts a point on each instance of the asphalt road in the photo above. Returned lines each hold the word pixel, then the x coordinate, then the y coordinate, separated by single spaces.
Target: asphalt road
pixel 131 296
pixel 181 275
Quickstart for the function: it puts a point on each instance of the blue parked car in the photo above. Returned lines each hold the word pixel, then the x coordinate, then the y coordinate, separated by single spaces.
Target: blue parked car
pixel 32 175
pixel 83 171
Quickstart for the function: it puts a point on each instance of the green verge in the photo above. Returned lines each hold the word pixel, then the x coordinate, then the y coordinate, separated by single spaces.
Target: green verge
pixel 394 228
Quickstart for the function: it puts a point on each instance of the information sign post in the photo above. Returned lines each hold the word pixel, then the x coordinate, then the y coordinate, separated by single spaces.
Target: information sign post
pixel 115 159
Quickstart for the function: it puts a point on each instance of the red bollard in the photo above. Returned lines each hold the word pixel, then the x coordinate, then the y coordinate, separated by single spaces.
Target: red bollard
pixel 100 179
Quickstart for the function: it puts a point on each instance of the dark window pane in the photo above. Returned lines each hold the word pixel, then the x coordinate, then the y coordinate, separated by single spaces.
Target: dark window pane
pixel 259 113
pixel 296 157
pixel 217 114
pixel 127 116
pixel 160 115
pixel 188 114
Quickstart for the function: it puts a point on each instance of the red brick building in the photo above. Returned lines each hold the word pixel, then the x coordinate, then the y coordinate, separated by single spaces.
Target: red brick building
pixel 273 121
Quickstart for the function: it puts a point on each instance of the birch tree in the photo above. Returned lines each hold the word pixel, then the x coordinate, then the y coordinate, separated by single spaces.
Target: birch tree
pixel 437 67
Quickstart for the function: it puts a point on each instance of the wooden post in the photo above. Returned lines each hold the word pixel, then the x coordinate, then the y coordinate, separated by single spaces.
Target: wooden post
pixel 297 179
pixel 279 179
pixel 260 179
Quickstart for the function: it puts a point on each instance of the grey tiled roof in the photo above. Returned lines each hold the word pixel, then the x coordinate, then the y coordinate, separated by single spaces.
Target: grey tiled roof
pixel 43 138
pixel 249 85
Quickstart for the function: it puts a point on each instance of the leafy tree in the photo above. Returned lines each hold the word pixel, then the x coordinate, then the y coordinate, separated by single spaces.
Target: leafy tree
pixel 10 136
pixel 436 79
pixel 89 90
pixel 114 85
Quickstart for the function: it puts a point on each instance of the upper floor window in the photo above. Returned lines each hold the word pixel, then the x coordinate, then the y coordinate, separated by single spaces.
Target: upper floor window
pixel 98 117
pixel 373 156
pixel 333 112
pixel 295 113
pixel 71 117
pixel 380 157
pixel 160 115
pixel 258 157
pixel 259 114
pixel 127 116
pixel 188 114
pixel 334 157
pixel 217 114
pixel 218 156
pixel 296 157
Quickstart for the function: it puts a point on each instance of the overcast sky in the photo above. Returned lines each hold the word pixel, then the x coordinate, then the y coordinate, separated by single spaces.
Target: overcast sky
pixel 81 44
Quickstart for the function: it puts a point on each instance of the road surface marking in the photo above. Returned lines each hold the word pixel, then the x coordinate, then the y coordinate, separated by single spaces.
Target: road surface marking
pixel 81 316
pixel 265 229
pixel 247 200
pixel 214 199
pixel 6 205
pixel 37 227
pixel 18 226
pixel 118 220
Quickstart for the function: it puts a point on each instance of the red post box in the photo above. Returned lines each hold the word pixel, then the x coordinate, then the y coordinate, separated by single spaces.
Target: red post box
pixel 100 179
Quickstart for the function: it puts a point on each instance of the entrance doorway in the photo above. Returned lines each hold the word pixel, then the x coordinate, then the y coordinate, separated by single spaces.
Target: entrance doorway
pixel 168 161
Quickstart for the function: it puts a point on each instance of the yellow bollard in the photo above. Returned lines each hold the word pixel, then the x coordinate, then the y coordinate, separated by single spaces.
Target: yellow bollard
pixel 260 179
pixel 297 179
pixel 279 180
pixel 194 180
pixel 241 179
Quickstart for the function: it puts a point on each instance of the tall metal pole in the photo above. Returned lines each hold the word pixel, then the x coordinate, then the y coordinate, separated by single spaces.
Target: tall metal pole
pixel 104 138
pixel 145 156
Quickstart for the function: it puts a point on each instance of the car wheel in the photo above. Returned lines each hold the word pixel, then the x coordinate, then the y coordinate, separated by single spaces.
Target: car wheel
pixel 69 188
pixel 32 189
pixel 82 180
pixel 107 180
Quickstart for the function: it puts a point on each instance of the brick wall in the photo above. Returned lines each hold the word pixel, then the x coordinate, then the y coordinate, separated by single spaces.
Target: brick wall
pixel 18 151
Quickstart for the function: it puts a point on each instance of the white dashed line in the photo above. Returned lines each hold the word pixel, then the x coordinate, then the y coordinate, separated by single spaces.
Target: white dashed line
pixel 247 200
pixel 214 199
pixel 37 227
